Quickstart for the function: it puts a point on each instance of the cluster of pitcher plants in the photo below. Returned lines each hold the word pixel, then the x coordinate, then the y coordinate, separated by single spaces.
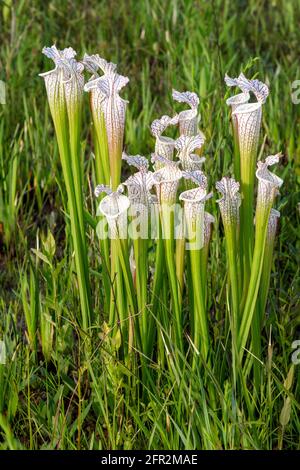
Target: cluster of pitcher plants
pixel 153 229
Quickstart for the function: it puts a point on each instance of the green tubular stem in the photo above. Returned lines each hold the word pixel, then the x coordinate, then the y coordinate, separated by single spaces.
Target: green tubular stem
pixel 191 295
pixel 256 271
pixel 265 278
pixel 232 250
pixel 60 123
pixel 168 231
pixel 128 281
pixel 260 310
pixel 247 168
pixel 132 308
pixel 106 265
pixel 141 256
pixel 240 373
pixel 118 310
pixel 203 267
pixel 200 330
pixel 113 273
pixel 123 314
pixel 251 360
pixel 104 249
pixel 102 177
pixel 180 255
pixel 144 325
pixel 77 171
pixel 157 289
pixel 247 232
pixel 256 349
pixel 174 292
pixel 77 167
pixel 105 252
pixel 245 390
pixel 158 273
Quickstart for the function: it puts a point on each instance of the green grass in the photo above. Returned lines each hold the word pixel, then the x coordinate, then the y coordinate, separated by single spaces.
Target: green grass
pixel 54 398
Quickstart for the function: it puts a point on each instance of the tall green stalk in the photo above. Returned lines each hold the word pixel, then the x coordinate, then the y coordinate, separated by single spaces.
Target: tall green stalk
pixel 208 221
pixel 267 189
pixel 256 270
pixel 194 200
pixel 268 261
pixel 64 87
pixel 180 263
pixel 200 326
pixel 166 181
pixel 123 306
pixel 141 269
pixel 157 303
pixel 79 251
pixel 167 221
pixel 229 206
pixel 102 177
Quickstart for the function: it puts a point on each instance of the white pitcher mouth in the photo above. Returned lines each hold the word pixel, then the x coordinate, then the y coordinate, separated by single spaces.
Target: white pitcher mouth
pixel 264 175
pixel 160 178
pixel 239 99
pixel 247 108
pixel 112 207
pixel 194 196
